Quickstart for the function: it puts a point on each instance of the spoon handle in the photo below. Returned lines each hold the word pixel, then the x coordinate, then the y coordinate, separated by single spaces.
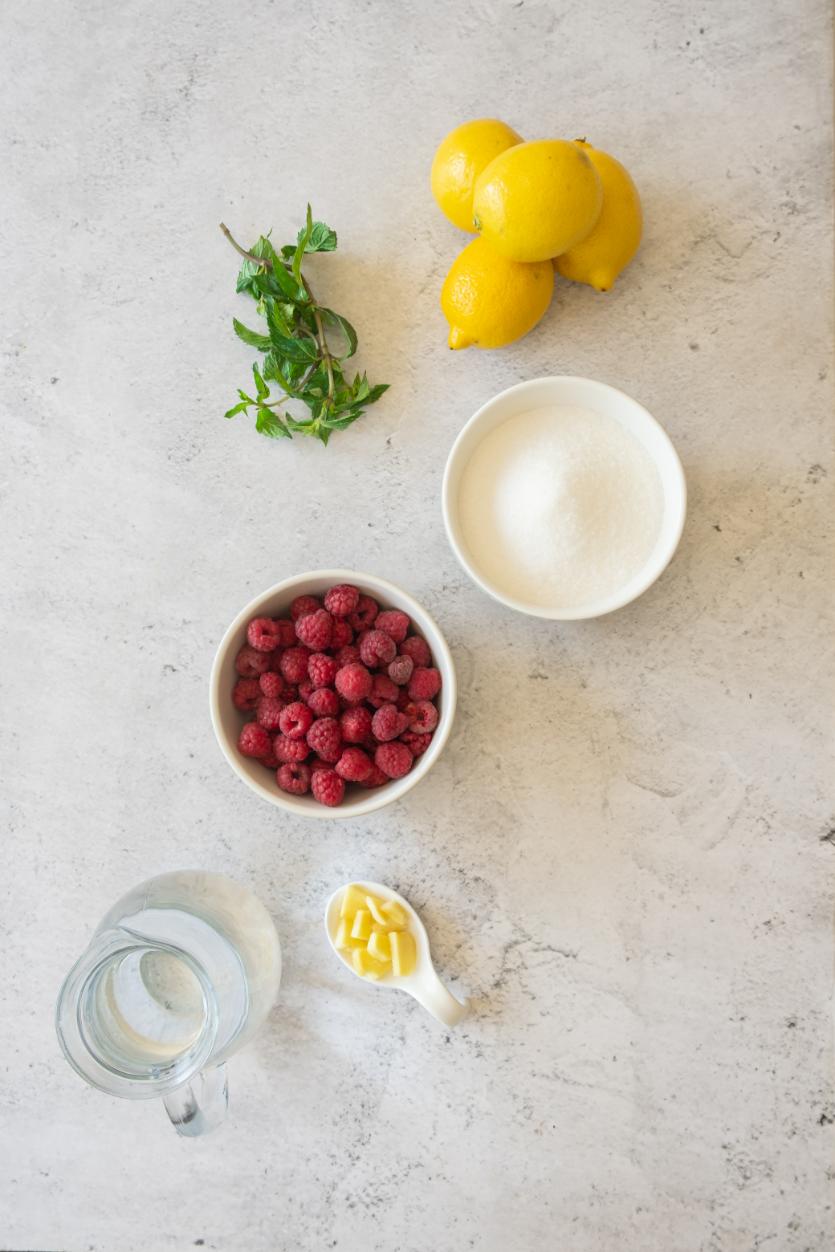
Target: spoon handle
pixel 442 1004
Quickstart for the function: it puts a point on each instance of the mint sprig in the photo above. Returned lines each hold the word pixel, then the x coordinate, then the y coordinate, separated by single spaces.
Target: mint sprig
pixel 299 361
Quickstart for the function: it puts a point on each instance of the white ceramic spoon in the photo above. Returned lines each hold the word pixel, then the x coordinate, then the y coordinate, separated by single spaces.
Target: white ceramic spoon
pixel 423 983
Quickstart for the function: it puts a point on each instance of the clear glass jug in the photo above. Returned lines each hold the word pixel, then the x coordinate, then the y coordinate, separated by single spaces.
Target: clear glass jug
pixel 178 975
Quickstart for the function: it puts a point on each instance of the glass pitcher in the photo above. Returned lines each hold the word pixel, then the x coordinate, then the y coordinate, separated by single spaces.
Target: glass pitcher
pixel 179 974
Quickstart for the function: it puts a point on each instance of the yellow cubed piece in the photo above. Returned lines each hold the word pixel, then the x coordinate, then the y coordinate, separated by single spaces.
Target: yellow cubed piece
pixel 403 953
pixel 395 915
pixel 361 928
pixel 353 898
pixel 379 946
pixel 366 966
pixel 374 907
pixel 343 940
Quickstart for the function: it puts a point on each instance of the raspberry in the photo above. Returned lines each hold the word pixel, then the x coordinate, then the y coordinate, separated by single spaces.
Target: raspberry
pixel 318 763
pixel 417 744
pixel 355 724
pixel 422 717
pixel 341 635
pixel 271 684
pixel 275 656
pixel 249 663
pixel 268 713
pixel 347 655
pixel 291 694
pixel 400 670
pixel 387 723
pixel 294 778
pixel 304 691
pixel 403 702
pixel 302 605
pixel 315 629
pixel 270 761
pixel 294 664
pixel 364 614
pixel 354 765
pixel 393 759
pixel 327 787
pixel 383 691
pixel 322 669
pixel 417 649
pixel 254 740
pixel 290 749
pixel 424 683
pixel 376 778
pixel 342 599
pixel 263 634
pixel 394 623
pixel 325 738
pixel 323 702
pixel 377 648
pixel 286 631
pixel 296 720
pixel 353 682
pixel 246 693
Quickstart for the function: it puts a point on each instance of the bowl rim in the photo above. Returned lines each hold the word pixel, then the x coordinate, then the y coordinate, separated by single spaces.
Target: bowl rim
pixel 674 477
pixel 379 797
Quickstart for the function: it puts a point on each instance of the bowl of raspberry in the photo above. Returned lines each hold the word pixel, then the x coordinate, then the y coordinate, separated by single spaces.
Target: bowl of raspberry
pixel 332 694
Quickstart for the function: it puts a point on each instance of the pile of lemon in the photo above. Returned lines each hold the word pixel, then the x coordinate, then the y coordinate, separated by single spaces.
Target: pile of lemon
pixel 534 206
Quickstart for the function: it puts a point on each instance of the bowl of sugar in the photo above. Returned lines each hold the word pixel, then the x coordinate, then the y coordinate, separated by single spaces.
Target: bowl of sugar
pixel 563 498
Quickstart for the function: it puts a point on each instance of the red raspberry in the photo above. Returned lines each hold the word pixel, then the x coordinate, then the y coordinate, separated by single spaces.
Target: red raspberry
pixel 355 724
pixel 246 693
pixel 342 599
pixel 291 694
pixel 364 614
pixel 422 717
pixel 341 635
pixel 275 660
pixel 417 649
pixel 323 702
pixel 347 655
pixel 394 623
pixel 376 778
pixel 254 740
pixel 305 690
pixel 290 749
pixel 424 683
pixel 377 648
pixel 286 631
pixel 417 744
pixel 294 778
pixel 268 713
pixel 327 787
pixel 353 682
pixel 354 765
pixel 294 664
pixel 318 763
pixel 270 761
pixel 263 634
pixel 302 605
pixel 315 629
pixel 325 738
pixel 400 670
pixel 393 759
pixel 403 702
pixel 322 669
pixel 383 691
pixel 296 720
pixel 387 723
pixel 271 684
pixel 249 663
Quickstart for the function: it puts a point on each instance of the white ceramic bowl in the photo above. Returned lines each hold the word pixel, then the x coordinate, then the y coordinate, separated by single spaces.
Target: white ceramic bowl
pixel 227 720
pixel 600 398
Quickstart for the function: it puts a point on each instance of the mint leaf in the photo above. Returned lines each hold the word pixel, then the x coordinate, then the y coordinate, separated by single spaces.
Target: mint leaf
pixel 304 239
pixel 261 388
pixel 348 332
pixel 237 408
pixel 270 424
pixel 251 337
pixel 322 238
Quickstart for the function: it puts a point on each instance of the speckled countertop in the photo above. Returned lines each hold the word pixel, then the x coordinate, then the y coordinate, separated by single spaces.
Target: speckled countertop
pixel 622 856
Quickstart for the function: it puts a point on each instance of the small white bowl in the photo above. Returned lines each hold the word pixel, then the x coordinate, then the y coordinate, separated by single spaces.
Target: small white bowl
pixel 600 398
pixel 227 720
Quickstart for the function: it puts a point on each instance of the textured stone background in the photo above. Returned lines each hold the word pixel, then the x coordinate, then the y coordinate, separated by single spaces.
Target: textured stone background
pixel 621 856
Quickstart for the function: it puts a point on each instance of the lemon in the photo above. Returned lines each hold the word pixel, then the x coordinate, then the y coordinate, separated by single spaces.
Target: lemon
pixel 461 157
pixel 614 239
pixel 490 301
pixel 537 199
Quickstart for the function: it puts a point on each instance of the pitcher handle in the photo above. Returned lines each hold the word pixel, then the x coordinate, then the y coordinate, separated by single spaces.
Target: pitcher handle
pixel 199 1106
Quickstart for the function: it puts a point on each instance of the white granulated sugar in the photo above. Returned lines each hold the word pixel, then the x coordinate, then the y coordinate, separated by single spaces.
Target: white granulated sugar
pixel 560 506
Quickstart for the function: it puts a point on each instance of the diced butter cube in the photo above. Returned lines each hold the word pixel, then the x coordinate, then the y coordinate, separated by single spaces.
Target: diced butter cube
pixel 374 907
pixel 366 966
pixel 379 946
pixel 403 953
pixel 353 898
pixel 395 915
pixel 361 928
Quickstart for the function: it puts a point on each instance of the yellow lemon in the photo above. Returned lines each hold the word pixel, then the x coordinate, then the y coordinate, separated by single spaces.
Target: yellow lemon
pixel 614 239
pixel 490 301
pixel 537 199
pixel 461 157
